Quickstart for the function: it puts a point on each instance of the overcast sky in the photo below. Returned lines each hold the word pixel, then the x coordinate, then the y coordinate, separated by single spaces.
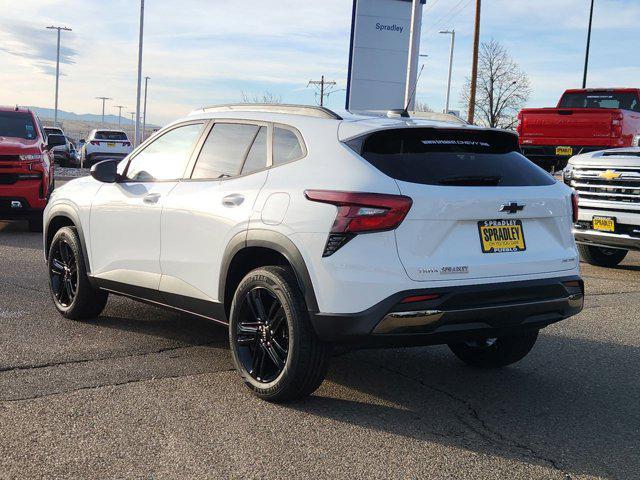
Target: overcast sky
pixel 202 52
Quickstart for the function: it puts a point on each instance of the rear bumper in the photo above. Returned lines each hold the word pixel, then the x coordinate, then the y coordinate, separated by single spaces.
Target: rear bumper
pixel 458 314
pixel 609 240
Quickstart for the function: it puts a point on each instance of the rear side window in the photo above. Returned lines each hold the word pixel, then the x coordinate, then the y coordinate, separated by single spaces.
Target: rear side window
pixel 225 150
pixel 111 136
pixel 287 146
pixel 17 125
pixel 450 157
pixel 602 99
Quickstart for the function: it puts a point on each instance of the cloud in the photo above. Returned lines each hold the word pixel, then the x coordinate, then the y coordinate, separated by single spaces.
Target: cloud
pixel 34 43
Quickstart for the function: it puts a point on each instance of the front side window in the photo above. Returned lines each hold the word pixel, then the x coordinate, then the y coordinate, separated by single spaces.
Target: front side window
pixel 286 146
pixel 17 125
pixel 225 150
pixel 166 157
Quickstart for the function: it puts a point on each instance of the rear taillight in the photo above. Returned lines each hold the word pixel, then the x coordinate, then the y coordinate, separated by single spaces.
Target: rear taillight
pixel 574 206
pixel 360 213
pixel 519 127
pixel 420 298
pixel 616 126
pixel 94 142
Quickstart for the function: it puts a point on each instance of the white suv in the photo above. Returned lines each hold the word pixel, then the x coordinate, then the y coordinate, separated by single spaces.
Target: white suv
pixel 104 144
pixel 301 229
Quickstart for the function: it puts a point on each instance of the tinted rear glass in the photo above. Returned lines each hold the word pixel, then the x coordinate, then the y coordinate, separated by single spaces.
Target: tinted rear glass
pixel 111 136
pixel 623 100
pixel 17 125
pixel 451 157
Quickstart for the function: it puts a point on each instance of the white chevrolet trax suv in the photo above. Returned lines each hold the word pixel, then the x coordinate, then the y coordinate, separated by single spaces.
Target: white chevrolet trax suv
pixel 300 229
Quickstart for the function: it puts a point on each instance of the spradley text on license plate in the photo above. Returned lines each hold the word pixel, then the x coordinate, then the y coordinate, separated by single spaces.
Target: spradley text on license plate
pixel 604 224
pixel 499 236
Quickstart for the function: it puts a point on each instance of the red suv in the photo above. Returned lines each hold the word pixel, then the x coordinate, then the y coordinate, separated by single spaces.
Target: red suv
pixel 26 167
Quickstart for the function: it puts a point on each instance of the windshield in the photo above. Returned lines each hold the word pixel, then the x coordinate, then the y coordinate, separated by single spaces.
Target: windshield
pixel 17 125
pixel 451 157
pixel 111 136
pixel 603 99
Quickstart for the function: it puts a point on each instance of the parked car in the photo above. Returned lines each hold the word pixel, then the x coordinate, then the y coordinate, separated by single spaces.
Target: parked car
pixel 62 150
pixel 585 120
pixel 300 229
pixel 104 144
pixel 608 183
pixel 53 131
pixel 26 167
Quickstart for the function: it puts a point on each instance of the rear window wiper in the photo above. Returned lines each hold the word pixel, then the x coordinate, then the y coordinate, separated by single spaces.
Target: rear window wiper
pixel 472 180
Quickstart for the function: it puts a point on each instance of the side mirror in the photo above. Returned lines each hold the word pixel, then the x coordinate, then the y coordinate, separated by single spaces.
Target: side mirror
pixel 105 171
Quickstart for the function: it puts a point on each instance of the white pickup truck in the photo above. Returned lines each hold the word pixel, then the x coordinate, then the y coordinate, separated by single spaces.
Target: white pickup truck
pixel 608 184
pixel 104 144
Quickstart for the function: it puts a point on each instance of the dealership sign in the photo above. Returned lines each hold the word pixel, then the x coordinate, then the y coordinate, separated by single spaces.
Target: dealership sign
pixel 379 54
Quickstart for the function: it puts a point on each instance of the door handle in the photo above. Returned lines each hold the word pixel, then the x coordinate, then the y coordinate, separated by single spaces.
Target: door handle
pixel 233 200
pixel 151 198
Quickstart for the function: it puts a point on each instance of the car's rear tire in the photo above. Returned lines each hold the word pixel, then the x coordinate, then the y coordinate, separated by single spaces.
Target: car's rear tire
pixel 73 295
pixel 601 256
pixel 495 352
pixel 275 349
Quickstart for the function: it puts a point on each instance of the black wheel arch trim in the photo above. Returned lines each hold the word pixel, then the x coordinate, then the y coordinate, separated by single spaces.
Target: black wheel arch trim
pixel 68 212
pixel 279 243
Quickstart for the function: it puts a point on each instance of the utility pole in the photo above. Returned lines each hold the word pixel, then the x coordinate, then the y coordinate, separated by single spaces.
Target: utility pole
pixel 414 46
pixel 453 41
pixel 132 116
pixel 586 57
pixel 137 128
pixel 144 115
pixel 104 99
pixel 119 107
pixel 66 29
pixel 474 69
pixel 321 85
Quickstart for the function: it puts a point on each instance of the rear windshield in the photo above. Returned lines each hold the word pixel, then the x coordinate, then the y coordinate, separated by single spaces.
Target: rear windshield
pixel 622 100
pixel 111 136
pixel 450 157
pixel 17 125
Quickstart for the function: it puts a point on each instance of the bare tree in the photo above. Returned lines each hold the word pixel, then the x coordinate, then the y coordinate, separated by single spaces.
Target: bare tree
pixel 502 89
pixel 267 97
pixel 421 107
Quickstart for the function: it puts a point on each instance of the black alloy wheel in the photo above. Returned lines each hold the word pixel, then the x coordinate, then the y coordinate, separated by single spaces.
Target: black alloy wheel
pixel 64 273
pixel 262 335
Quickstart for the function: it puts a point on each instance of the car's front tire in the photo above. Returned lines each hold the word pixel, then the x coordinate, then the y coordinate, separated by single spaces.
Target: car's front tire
pixel 73 295
pixel 495 352
pixel 601 256
pixel 275 349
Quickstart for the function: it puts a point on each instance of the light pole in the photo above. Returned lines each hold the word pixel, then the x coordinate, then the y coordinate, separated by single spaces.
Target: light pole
pixel 104 99
pixel 453 42
pixel 132 118
pixel 586 56
pixel 137 130
pixel 66 29
pixel 119 107
pixel 144 115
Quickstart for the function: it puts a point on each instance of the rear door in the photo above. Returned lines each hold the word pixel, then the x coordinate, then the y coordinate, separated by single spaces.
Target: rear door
pixel 213 205
pixel 480 209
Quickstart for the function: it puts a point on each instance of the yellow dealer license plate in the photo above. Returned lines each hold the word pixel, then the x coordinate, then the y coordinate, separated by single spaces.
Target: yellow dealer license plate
pixel 500 236
pixel 604 224
pixel 111 144
pixel 564 151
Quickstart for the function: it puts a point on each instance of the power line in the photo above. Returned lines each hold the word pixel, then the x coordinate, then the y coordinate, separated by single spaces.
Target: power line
pixel 448 17
pixel 321 87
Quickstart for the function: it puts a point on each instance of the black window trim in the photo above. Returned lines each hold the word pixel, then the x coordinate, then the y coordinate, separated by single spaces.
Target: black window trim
pixel 156 137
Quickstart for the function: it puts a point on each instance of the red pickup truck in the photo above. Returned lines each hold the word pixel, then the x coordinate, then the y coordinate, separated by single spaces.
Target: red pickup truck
pixel 26 167
pixel 585 120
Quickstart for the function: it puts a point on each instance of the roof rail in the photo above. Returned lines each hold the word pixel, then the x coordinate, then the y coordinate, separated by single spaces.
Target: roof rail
pixel 308 110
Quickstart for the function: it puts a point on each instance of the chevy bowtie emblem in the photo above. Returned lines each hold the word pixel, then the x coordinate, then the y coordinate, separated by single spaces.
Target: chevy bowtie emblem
pixel 512 207
pixel 610 175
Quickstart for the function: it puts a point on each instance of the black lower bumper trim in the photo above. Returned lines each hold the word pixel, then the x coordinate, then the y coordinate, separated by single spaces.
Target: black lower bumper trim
pixel 458 314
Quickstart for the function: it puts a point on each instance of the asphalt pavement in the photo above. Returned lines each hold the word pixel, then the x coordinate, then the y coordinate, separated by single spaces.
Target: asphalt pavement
pixel 145 393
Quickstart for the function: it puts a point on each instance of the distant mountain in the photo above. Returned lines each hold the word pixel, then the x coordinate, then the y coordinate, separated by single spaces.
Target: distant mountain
pixel 49 114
